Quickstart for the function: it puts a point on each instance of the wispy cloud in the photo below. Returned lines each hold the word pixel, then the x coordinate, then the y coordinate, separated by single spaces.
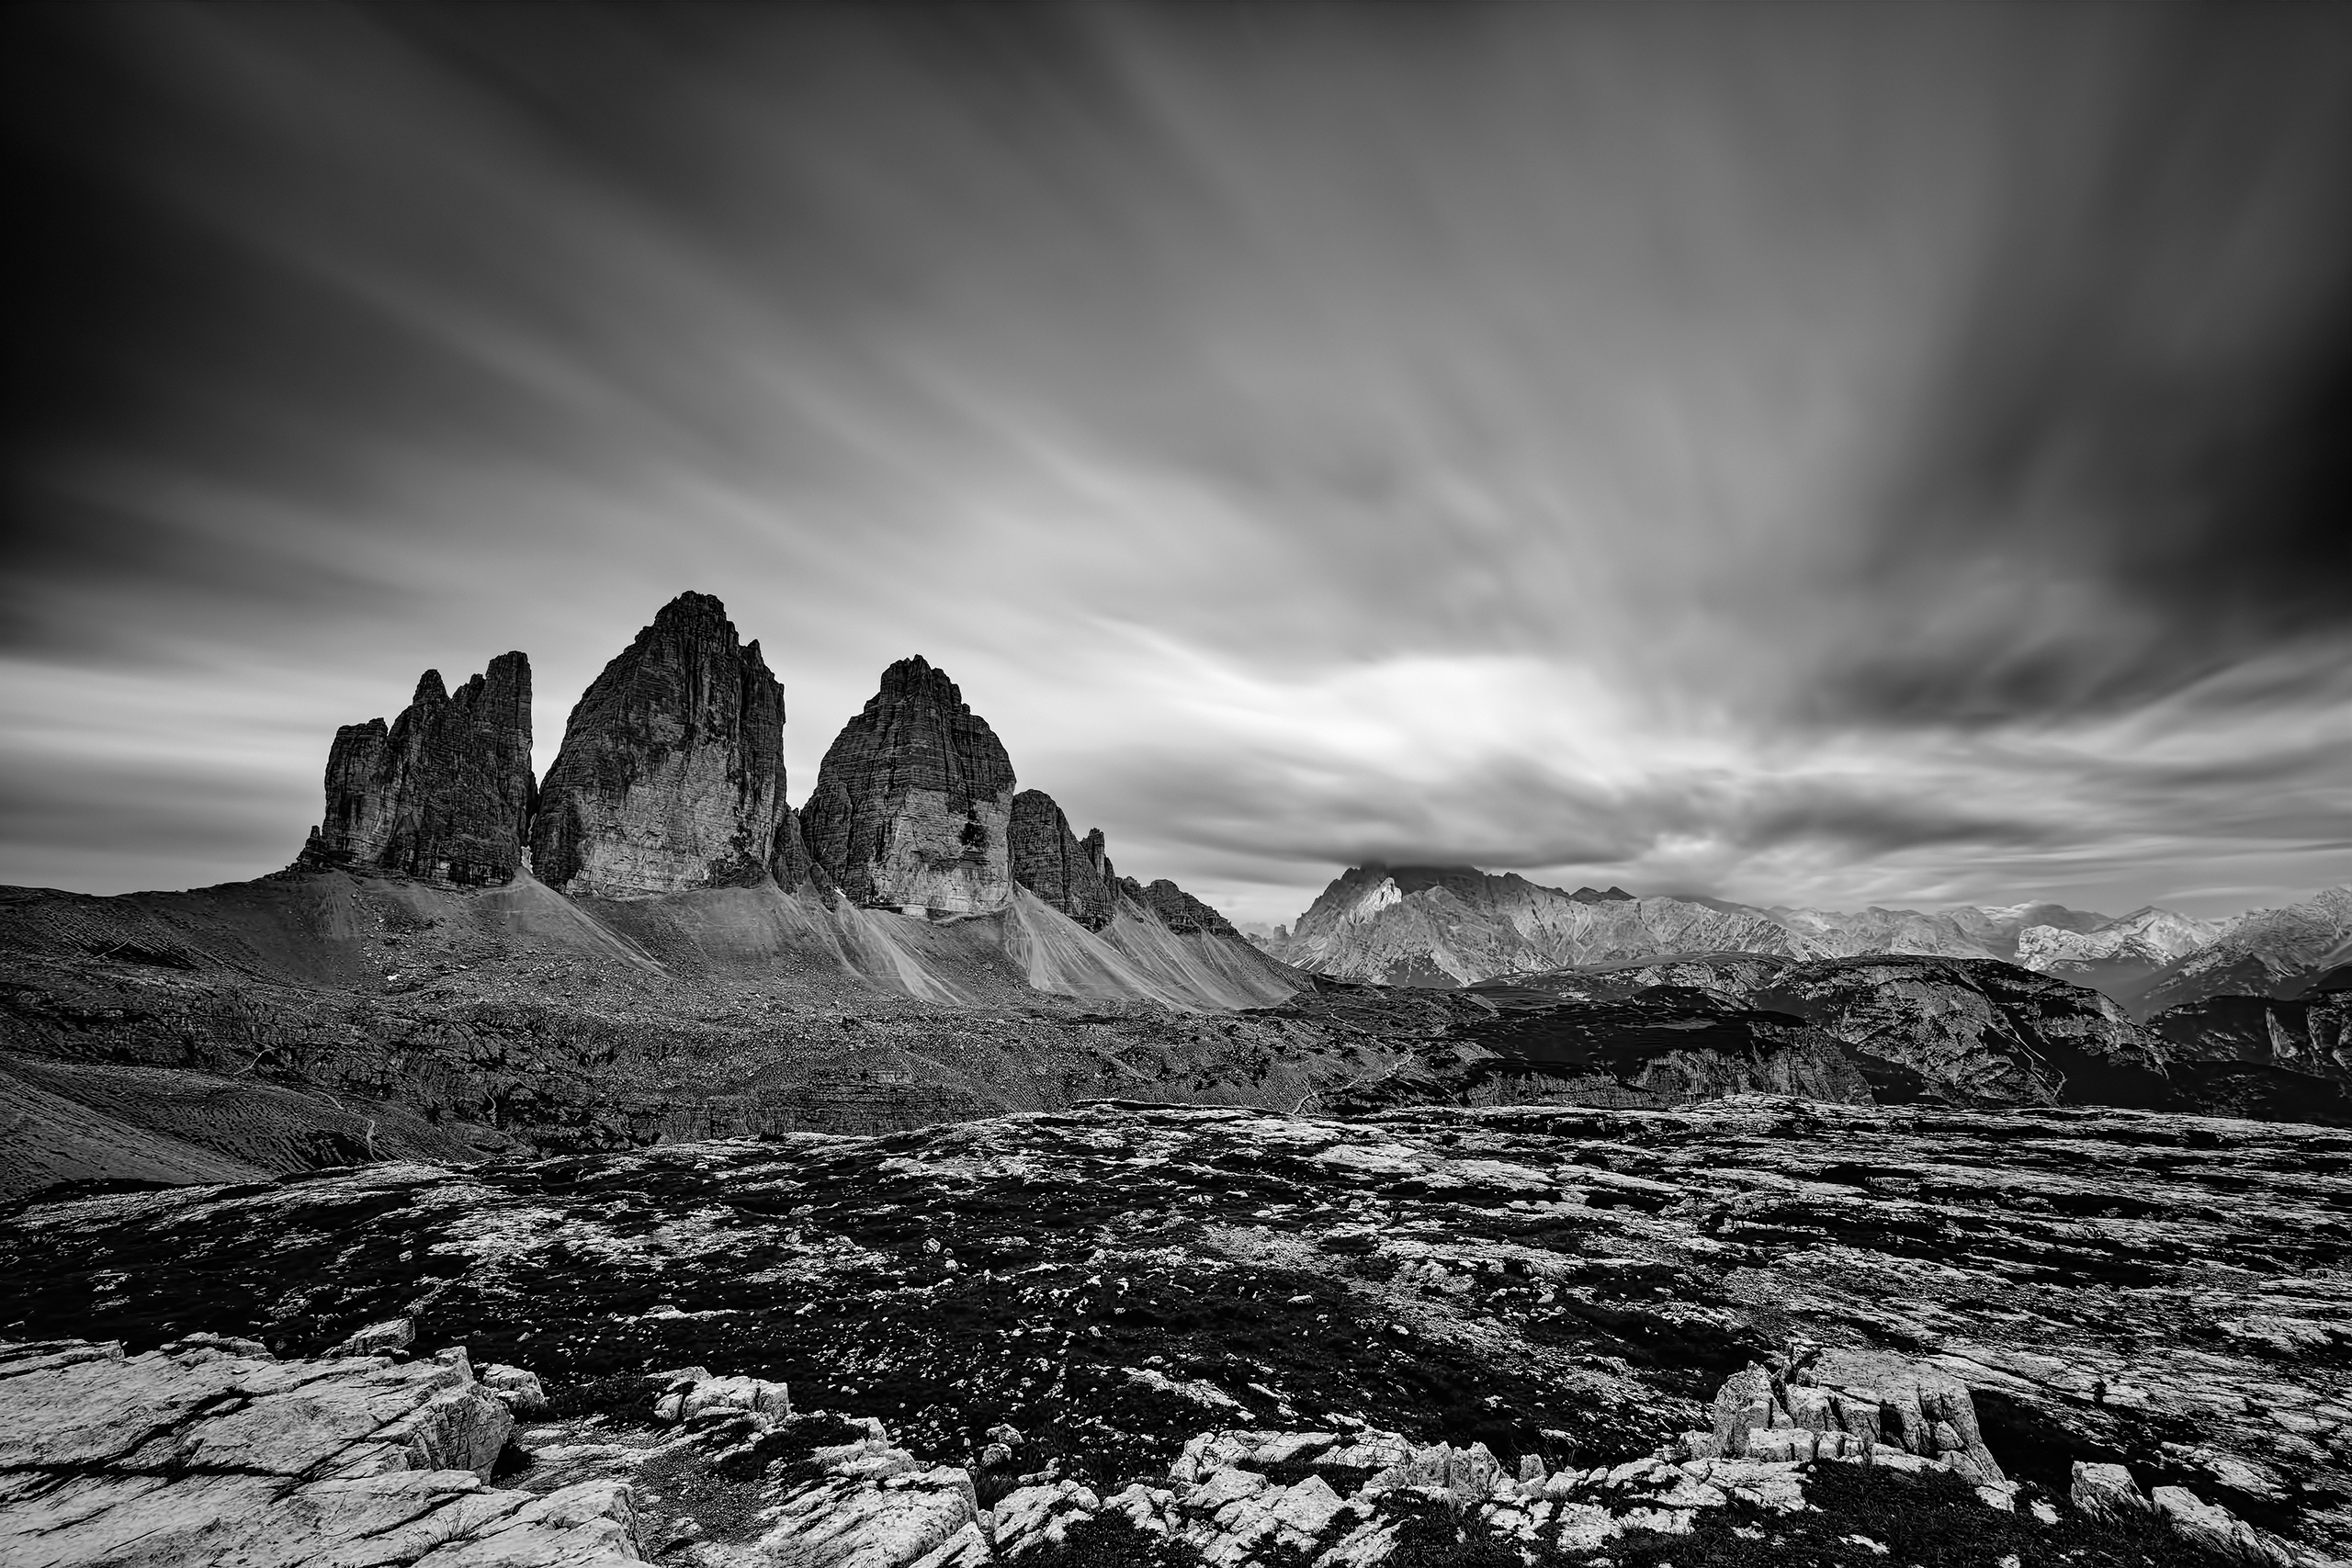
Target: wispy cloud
pixel 1817 454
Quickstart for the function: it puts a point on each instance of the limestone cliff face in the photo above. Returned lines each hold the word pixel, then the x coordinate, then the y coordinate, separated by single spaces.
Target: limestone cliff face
pixel 445 792
pixel 913 803
pixel 1069 873
pixel 671 772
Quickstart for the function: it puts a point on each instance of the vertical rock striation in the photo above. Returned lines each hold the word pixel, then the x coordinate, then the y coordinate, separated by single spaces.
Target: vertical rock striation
pixel 671 772
pixel 913 801
pixel 445 792
pixel 1051 862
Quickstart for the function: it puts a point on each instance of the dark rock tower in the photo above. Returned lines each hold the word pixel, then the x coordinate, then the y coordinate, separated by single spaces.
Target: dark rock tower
pixel 445 793
pixel 914 800
pixel 672 772
pixel 1051 862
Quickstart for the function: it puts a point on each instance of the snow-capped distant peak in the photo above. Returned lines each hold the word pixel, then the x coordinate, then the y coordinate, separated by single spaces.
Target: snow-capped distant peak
pixel 2147 935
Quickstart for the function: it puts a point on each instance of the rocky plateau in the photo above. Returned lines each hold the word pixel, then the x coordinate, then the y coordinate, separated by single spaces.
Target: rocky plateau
pixel 1769 1329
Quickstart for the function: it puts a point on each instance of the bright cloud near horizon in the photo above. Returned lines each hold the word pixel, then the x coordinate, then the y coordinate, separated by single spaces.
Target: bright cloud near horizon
pixel 1814 454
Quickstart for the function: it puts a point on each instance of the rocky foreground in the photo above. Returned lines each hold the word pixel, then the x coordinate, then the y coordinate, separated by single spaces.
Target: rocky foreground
pixel 1766 1331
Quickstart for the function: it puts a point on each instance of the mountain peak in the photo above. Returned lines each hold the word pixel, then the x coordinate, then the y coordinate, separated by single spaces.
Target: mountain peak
pixel 671 775
pixel 913 803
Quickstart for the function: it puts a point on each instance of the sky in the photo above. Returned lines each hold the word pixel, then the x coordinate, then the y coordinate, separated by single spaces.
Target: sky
pixel 1814 456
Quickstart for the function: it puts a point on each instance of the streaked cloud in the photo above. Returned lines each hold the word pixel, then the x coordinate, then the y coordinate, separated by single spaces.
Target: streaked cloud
pixel 1812 454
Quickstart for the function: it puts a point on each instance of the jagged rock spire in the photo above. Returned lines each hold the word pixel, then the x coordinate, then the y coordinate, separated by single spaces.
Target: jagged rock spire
pixel 1051 862
pixel 445 792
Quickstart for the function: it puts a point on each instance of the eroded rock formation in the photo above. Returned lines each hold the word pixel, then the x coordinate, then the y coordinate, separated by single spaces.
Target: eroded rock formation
pixel 1068 873
pixel 672 772
pixel 1176 909
pixel 913 802
pixel 445 792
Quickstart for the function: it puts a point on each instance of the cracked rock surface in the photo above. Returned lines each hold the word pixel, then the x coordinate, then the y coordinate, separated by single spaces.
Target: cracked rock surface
pixel 212 1453
pixel 1558 1289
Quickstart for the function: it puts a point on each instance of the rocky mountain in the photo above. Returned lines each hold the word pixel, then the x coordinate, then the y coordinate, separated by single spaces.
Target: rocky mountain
pixel 671 776
pixel 1904 1029
pixel 2119 954
pixel 1996 927
pixel 694 963
pixel 445 792
pixel 2268 953
pixel 1455 925
pixel 1070 874
pixel 1767 1331
pixel 1984 1031
pixel 2310 1034
pixel 1831 934
pixel 913 803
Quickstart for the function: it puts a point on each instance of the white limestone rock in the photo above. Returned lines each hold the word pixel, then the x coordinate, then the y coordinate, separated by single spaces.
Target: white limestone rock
pixel 195 1454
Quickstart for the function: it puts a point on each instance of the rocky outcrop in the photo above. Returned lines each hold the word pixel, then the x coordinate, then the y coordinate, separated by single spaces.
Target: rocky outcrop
pixel 445 793
pixel 1175 908
pixel 1967 1031
pixel 213 1451
pixel 1664 1047
pixel 1979 1031
pixel 1075 876
pixel 1851 1403
pixel 2311 1034
pixel 672 772
pixel 2275 1058
pixel 1069 873
pixel 913 802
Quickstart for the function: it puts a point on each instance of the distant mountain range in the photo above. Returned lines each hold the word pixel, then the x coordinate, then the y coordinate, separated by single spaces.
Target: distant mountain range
pixel 1450 926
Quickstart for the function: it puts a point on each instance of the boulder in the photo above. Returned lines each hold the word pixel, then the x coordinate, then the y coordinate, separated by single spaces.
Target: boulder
pixel 739 1395
pixel 1032 1517
pixel 913 803
pixel 390 1337
pixel 2208 1524
pixel 1054 864
pixel 671 776
pixel 1866 1405
pixel 1743 1404
pixel 520 1389
pixel 853 1521
pixel 444 793
pixel 1919 1407
pixel 2107 1491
